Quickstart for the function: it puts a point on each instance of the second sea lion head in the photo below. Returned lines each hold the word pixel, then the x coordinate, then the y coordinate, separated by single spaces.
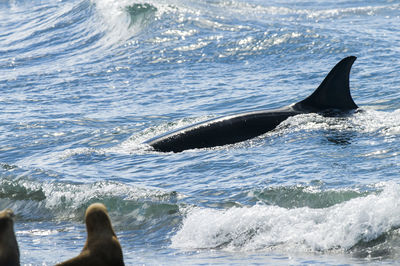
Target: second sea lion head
pixel 97 220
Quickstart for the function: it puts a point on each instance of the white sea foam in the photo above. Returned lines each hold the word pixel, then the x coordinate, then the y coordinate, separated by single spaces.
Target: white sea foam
pixel 339 227
pixel 384 122
pixel 367 121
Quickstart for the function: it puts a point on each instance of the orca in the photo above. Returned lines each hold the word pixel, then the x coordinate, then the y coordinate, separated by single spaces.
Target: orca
pixel 332 95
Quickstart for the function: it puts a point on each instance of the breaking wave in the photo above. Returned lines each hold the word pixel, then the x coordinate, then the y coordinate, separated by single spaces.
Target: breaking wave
pixel 129 206
pixel 342 227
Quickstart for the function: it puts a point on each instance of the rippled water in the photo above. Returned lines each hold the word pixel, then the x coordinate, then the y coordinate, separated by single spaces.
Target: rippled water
pixel 84 83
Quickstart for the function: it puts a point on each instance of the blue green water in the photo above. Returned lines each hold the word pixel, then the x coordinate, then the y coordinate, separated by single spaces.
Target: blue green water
pixel 84 83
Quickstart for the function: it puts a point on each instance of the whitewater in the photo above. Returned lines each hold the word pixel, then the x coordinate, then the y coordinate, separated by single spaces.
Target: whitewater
pixel 85 82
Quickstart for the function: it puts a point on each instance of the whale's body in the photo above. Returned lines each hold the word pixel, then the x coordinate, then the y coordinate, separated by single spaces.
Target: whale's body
pixel 332 94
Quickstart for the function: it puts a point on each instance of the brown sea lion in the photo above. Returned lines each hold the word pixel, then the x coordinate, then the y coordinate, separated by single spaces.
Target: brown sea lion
pixel 9 252
pixel 102 246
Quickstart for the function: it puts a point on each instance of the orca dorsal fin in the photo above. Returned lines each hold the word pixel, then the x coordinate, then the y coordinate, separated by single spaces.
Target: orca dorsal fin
pixel 334 91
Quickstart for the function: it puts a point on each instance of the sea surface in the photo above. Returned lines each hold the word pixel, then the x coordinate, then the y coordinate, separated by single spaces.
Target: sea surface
pixel 83 83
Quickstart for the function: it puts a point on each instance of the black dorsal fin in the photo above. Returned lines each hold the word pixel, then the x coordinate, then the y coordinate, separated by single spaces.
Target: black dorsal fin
pixel 334 91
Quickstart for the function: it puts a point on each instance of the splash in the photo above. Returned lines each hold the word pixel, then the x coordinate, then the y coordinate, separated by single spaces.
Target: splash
pixel 336 228
pixel 141 14
pixel 366 121
pixel 125 18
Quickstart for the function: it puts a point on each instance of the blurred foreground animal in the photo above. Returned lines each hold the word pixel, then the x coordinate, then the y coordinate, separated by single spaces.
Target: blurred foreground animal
pixel 9 252
pixel 102 247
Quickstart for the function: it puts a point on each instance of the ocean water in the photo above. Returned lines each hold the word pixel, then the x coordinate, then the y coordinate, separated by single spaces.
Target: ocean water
pixel 84 82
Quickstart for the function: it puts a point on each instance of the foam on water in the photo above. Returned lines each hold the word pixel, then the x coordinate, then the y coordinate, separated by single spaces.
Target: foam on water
pixel 365 121
pixel 336 228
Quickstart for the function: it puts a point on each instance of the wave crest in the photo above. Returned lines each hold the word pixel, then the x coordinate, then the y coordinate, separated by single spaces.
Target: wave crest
pixel 336 228
pixel 129 206
pixel 141 14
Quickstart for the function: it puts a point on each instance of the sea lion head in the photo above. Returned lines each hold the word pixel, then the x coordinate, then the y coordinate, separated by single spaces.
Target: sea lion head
pixel 6 219
pixel 9 252
pixel 102 247
pixel 97 220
